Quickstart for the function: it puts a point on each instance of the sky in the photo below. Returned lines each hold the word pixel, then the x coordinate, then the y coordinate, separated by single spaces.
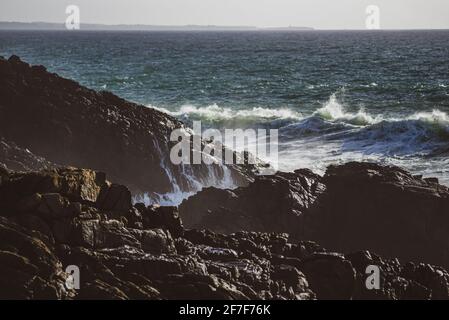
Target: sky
pixel 319 14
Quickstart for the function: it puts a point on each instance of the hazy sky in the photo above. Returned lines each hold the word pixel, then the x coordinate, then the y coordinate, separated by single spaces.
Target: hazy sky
pixel 321 14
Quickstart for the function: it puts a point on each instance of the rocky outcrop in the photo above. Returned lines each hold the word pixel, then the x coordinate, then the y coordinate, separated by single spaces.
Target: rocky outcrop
pixel 53 219
pixel 62 122
pixel 353 207
pixel 275 203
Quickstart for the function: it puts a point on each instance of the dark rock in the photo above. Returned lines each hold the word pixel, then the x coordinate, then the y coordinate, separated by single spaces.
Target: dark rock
pixel 216 254
pixel 291 276
pixel 58 218
pixel 330 276
pixel 24 264
pixel 155 241
pixel 355 206
pixel 16 158
pixel 115 198
pixel 385 210
pixel 434 278
pixel 163 217
pixel 101 291
pixel 102 234
pixel 76 184
pixel 276 203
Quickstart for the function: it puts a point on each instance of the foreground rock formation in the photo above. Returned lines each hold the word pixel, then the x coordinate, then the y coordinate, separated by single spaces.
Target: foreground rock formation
pixel 354 206
pixel 55 218
pixel 62 122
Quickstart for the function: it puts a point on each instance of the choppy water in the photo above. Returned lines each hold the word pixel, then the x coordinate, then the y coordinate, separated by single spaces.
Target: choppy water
pixel 335 96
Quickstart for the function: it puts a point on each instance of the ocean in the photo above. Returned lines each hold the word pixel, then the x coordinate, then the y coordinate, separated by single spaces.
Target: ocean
pixel 335 96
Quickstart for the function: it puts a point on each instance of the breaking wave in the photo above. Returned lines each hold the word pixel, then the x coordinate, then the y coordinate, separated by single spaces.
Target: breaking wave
pixel 333 110
pixel 222 117
pixel 334 132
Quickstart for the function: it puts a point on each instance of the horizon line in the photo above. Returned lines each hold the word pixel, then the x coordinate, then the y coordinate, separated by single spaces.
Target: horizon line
pixel 60 26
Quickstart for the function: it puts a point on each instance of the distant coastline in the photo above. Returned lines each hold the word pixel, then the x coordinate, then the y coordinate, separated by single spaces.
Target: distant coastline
pixel 7 25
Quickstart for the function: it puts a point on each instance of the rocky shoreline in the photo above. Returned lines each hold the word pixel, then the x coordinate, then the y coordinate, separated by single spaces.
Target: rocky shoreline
pixel 291 235
pixel 55 218
pixel 67 124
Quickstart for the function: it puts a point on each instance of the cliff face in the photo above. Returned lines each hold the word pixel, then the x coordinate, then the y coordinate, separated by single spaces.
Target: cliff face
pixel 53 219
pixel 354 206
pixel 65 123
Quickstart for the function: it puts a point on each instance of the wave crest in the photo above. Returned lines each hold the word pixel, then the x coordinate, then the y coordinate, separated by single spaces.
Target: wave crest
pixel 333 110
pixel 223 116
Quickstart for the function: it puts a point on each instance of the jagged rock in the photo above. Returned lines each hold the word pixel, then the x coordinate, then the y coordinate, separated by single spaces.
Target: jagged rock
pixel 48 226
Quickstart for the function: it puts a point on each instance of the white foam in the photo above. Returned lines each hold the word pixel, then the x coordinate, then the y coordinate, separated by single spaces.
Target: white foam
pixel 436 117
pixel 333 110
pixel 228 116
